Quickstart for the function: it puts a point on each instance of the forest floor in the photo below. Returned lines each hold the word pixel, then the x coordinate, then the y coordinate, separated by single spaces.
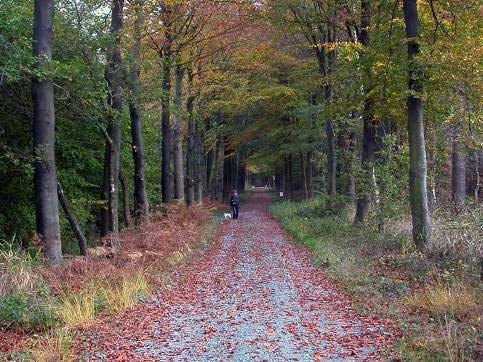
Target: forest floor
pixel 254 295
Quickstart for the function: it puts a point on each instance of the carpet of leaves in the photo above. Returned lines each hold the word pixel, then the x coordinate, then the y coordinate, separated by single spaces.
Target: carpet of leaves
pixel 148 247
pixel 253 296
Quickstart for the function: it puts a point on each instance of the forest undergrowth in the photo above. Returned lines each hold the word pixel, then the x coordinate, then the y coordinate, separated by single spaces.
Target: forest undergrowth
pixel 434 297
pixel 41 307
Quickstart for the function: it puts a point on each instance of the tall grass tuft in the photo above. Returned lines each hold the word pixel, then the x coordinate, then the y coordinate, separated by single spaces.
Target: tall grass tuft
pixel 457 300
pixel 124 295
pixel 78 309
pixel 17 272
pixel 55 347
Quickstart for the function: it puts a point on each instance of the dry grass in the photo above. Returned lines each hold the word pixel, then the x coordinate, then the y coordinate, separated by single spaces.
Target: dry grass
pixel 439 299
pixel 56 347
pixel 105 281
pixel 16 272
pixel 125 294
pixel 452 237
pixel 435 296
pixel 78 309
pixel 459 238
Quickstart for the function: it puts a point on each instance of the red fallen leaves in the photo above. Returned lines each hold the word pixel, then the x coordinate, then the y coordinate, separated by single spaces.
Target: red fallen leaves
pixel 176 230
pixel 218 276
pixel 210 330
pixel 13 340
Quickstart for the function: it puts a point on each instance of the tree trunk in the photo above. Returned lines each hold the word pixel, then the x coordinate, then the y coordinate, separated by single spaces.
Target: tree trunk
pixel 331 164
pixel 199 164
pixel 369 130
pixel 141 205
pixel 43 131
pixel 286 180
pixel 105 222
pixel 125 198
pixel 236 173
pixel 310 182
pixel 177 136
pixel 458 174
pixel 165 121
pixel 210 161
pixel 417 148
pixel 114 78
pixel 81 239
pixel 190 154
pixel 290 177
pixel 367 159
pixel 476 190
pixel 227 176
pixel 304 172
pixel 220 168
pixel 352 181
pixel 242 178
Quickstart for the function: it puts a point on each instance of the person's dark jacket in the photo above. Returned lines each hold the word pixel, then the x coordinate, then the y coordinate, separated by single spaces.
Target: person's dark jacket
pixel 235 200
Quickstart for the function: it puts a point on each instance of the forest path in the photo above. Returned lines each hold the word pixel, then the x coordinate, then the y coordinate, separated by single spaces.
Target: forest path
pixel 254 296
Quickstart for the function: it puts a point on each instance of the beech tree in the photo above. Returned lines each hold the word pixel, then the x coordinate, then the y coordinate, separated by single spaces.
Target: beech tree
pixel 458 173
pixel 141 206
pixel 114 78
pixel 308 95
pixel 179 180
pixel 43 128
pixel 369 128
pixel 417 146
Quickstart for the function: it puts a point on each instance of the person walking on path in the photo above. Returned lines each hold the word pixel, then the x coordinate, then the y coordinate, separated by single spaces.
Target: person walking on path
pixel 235 204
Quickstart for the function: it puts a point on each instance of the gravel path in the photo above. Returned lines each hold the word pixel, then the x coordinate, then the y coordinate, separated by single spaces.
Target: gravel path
pixel 253 297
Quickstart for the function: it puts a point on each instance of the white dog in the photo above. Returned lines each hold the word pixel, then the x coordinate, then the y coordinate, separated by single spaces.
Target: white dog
pixel 227 216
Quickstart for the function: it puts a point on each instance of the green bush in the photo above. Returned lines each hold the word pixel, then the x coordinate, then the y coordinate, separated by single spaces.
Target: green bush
pixel 33 311
pixel 323 206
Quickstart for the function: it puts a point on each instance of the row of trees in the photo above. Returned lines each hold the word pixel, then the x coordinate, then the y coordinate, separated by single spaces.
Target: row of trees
pixel 186 98
pixel 370 56
pixel 101 67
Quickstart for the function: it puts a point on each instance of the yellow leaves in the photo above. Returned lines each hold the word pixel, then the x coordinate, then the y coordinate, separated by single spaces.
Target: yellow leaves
pixel 379 64
pixel 329 46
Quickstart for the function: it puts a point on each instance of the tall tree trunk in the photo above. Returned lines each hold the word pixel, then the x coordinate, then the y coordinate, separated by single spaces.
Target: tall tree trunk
pixel 432 179
pixel 210 161
pixel 352 181
pixel 326 60
pixel 417 147
pixel 369 130
pixel 242 178
pixel 290 177
pixel 105 222
pixel 227 175
pixel 458 174
pixel 331 163
pixel 286 178
pixel 43 129
pixel 177 136
pixel 476 190
pixel 141 206
pixel 220 168
pixel 329 59
pixel 198 165
pixel 214 172
pixel 190 154
pixel 165 120
pixel 114 78
pixel 304 172
pixel 310 182
pixel 367 159
pixel 69 214
pixel 125 198
pixel 236 173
